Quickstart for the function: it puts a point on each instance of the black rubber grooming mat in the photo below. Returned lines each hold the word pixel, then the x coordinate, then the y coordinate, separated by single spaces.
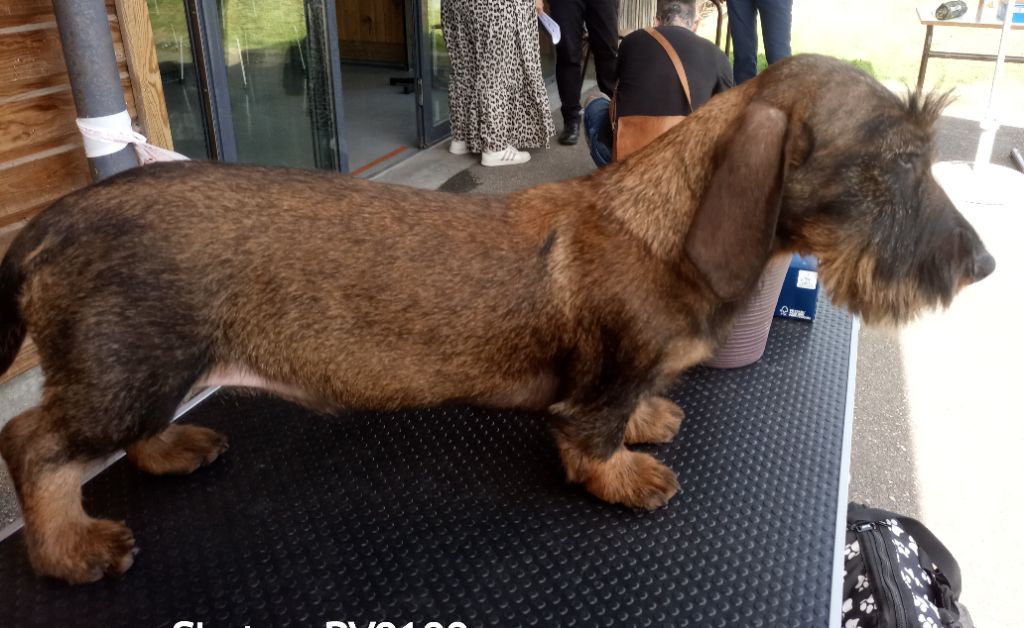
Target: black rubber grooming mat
pixel 462 514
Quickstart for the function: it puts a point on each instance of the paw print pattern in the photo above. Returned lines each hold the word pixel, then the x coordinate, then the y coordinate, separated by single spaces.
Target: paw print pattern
pixel 916 580
pixel 908 575
pixel 852 550
pixel 901 548
pixel 895 527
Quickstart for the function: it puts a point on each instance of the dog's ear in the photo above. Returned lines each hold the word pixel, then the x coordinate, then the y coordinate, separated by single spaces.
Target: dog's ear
pixel 731 234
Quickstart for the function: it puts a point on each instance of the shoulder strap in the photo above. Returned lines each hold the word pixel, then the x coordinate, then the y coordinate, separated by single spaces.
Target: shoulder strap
pixel 674 57
pixel 938 552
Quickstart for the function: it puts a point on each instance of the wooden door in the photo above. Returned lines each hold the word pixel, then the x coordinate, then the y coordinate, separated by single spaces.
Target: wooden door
pixel 372 30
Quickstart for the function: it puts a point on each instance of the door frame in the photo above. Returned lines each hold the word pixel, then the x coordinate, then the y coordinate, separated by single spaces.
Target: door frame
pixel 205 33
pixel 427 132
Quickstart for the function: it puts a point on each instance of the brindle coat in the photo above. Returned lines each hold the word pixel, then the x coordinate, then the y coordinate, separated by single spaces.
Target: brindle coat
pixel 585 298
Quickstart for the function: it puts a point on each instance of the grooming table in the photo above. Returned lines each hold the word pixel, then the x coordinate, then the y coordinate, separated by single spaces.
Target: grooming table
pixel 459 514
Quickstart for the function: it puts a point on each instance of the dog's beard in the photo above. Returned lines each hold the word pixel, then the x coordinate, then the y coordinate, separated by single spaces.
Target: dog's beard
pixel 886 299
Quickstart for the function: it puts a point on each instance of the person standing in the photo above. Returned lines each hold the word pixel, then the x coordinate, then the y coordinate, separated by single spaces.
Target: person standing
pixel 601 18
pixel 776 28
pixel 648 83
pixel 497 100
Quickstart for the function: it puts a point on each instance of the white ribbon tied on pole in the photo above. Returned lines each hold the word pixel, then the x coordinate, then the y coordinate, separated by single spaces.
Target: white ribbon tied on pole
pixel 108 134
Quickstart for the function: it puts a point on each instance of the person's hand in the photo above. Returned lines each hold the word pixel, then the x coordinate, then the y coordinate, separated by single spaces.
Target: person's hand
pixel 540 6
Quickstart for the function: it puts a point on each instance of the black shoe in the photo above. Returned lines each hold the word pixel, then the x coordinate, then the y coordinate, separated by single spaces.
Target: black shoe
pixel 570 131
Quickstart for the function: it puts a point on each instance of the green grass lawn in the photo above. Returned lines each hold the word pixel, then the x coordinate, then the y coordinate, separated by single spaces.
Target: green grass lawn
pixel 885 38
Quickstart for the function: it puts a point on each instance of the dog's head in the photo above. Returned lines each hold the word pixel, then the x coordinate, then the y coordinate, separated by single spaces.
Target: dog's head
pixel 825 160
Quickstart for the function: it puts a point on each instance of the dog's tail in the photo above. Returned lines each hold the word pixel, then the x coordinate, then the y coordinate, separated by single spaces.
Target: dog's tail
pixel 12 326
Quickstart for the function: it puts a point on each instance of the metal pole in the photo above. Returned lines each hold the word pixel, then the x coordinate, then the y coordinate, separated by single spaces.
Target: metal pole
pixel 92 68
pixel 989 125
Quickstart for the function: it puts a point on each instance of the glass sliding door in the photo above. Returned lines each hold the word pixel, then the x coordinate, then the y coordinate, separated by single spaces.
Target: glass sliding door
pixel 279 81
pixel 179 78
pixel 433 69
pixel 254 81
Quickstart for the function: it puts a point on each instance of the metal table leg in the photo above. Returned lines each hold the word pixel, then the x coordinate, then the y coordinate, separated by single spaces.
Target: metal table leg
pixel 924 58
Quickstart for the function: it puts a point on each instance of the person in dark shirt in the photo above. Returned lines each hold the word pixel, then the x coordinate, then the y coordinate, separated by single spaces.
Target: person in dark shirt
pixel 647 83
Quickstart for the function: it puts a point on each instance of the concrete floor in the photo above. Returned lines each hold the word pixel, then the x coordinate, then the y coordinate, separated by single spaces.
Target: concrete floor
pixel 937 430
pixel 379 118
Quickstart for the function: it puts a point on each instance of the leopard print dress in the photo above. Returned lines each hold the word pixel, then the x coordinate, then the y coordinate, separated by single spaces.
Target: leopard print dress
pixel 496 94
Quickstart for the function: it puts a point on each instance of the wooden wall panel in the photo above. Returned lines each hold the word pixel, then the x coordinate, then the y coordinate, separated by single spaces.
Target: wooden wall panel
pixel 39 118
pixel 29 184
pixel 17 8
pixel 30 52
pixel 147 85
pixel 33 51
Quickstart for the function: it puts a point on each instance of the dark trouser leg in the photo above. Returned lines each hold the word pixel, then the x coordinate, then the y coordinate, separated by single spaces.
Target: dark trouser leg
pixel 598 127
pixel 776 26
pixel 569 54
pixel 743 23
pixel 602 17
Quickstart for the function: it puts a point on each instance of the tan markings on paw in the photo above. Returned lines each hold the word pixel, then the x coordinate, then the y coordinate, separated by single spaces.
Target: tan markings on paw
pixel 655 420
pixel 179 449
pixel 63 541
pixel 627 477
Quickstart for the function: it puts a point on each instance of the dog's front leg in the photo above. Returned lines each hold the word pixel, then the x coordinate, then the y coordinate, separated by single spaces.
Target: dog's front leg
pixel 591 443
pixel 654 420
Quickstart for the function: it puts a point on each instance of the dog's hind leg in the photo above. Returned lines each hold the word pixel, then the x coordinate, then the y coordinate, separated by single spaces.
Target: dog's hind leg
pixel 590 441
pixel 178 450
pixel 62 540
pixel 93 405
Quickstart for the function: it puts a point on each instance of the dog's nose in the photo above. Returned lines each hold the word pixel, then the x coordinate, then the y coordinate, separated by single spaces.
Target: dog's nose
pixel 984 264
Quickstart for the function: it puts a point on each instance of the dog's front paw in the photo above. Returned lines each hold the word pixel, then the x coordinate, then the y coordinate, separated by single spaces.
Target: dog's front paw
pixel 83 551
pixel 655 420
pixel 632 478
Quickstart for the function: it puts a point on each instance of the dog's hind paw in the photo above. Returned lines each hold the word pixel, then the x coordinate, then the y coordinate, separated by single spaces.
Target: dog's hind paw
pixel 634 479
pixel 179 450
pixel 84 552
pixel 655 420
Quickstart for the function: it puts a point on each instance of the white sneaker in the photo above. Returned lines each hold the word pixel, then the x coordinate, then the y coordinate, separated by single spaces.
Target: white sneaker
pixel 458 147
pixel 508 157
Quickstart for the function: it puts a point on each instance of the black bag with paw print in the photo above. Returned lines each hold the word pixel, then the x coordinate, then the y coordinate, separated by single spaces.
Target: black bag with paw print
pixel 898 575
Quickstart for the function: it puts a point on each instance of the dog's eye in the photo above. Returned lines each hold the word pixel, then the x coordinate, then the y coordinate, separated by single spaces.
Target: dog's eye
pixel 907 160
